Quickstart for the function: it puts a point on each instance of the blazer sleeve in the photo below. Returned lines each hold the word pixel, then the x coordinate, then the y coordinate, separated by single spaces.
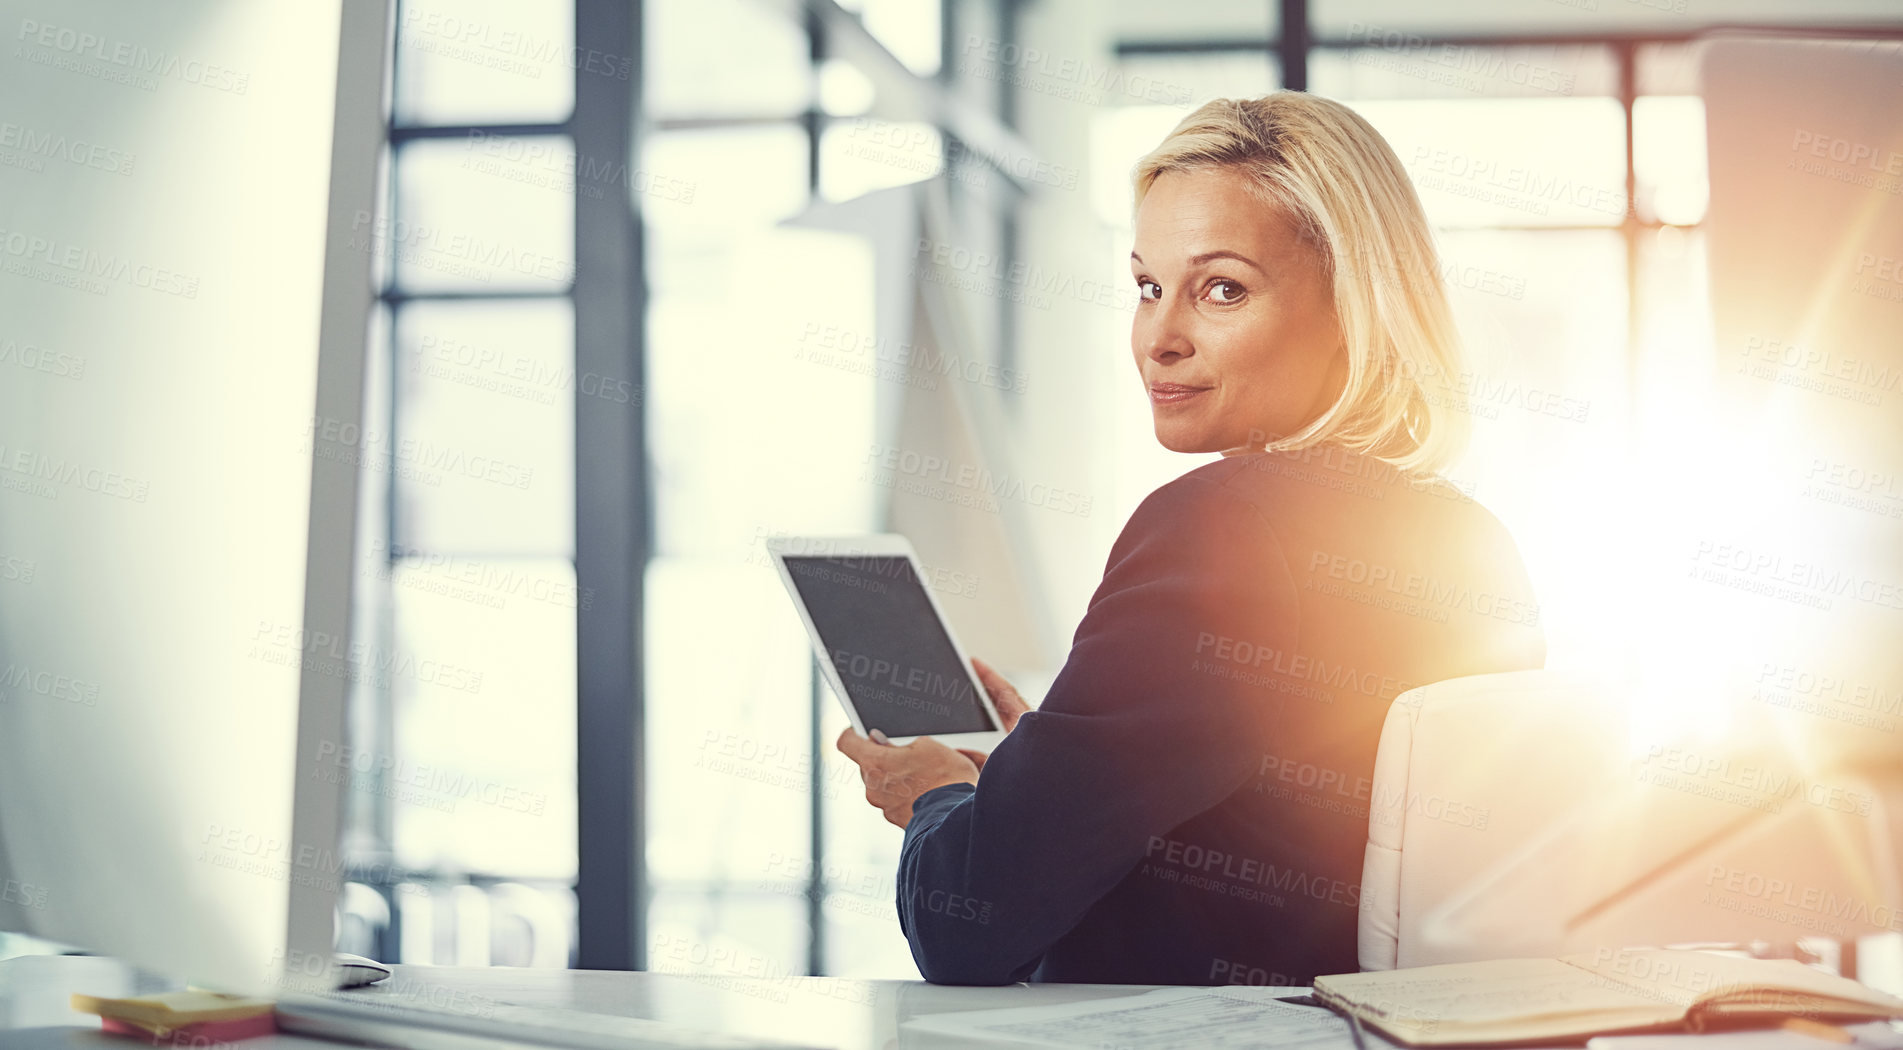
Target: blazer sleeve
pixel 1163 709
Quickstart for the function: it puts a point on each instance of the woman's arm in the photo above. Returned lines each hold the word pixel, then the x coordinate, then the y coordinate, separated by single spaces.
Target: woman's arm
pixel 1164 708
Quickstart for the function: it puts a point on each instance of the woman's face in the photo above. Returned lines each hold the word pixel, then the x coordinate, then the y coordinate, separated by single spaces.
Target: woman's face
pixel 1235 334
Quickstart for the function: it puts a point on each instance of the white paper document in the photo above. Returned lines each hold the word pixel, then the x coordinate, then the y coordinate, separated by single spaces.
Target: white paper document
pixel 1167 1019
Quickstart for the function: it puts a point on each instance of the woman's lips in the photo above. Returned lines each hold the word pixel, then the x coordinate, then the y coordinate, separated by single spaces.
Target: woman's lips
pixel 1173 393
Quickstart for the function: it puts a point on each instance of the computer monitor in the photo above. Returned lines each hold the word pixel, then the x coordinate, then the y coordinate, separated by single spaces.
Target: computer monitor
pixel 185 287
pixel 1802 567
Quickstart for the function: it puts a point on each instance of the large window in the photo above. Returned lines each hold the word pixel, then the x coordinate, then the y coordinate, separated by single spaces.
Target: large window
pixel 756 430
pixel 1520 156
pixel 1558 151
pixel 462 834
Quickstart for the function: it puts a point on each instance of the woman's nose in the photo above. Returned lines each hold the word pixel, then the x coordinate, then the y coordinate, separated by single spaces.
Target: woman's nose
pixel 1163 333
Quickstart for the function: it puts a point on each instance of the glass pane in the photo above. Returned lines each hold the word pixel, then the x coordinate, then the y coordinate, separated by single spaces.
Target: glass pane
pixel 1190 79
pixel 861 870
pixel 723 180
pixel 1085 80
pixel 1545 386
pixel 863 939
pixel 538 162
pixel 492 61
pixel 844 89
pixel 860 155
pixel 484 213
pixel 532 924
pixel 1204 20
pixel 908 28
pixel 482 778
pixel 717 58
pixel 1118 138
pixel 484 443
pixel 1669 159
pixel 723 934
pixel 449 922
pixel 1510 162
pixel 1401 65
pixel 728 685
pixel 1675 352
pixel 1667 69
pixel 765 366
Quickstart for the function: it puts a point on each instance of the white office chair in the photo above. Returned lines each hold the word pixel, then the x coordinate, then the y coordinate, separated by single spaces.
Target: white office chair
pixel 1510 817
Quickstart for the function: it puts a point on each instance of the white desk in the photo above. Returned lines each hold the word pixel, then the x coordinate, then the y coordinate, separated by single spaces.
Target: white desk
pixel 823 1011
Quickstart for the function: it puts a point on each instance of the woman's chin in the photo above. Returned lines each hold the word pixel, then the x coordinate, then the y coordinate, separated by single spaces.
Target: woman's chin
pixel 1185 439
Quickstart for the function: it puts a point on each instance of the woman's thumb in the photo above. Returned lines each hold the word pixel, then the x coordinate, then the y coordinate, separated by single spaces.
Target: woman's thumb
pixel 1004 696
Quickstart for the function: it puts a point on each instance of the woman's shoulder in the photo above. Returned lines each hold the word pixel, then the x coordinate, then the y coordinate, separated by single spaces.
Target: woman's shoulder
pixel 1209 491
pixel 1210 523
pixel 1324 492
pixel 1324 479
pixel 1341 528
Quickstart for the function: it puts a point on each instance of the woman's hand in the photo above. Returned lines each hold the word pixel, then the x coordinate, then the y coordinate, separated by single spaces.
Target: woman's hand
pixel 895 776
pixel 1004 697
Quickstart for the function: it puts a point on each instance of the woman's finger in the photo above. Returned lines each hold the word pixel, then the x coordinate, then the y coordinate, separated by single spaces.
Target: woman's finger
pixel 993 682
pixel 1004 695
pixel 856 747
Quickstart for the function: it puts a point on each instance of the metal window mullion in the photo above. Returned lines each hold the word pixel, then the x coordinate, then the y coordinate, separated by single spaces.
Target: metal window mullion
pixel 612 526
pixel 815 782
pixel 383 818
pixel 816 809
pixel 1292 44
pixel 405 134
pixel 396 297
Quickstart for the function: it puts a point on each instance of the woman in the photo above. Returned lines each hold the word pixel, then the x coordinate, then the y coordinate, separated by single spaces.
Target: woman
pixel 1189 804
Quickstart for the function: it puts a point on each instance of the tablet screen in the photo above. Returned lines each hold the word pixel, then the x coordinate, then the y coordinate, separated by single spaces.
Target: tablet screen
pixel 886 643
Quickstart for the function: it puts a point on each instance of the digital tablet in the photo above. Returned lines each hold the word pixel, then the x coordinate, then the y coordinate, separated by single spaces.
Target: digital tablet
pixel 882 641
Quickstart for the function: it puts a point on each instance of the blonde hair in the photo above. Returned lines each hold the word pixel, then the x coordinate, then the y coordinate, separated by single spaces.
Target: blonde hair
pixel 1348 194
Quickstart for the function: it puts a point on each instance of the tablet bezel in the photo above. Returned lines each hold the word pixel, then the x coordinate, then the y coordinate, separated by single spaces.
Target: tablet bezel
pixel 879 545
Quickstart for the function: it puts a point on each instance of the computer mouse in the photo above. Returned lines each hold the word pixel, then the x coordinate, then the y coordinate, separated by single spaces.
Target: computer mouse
pixel 356 971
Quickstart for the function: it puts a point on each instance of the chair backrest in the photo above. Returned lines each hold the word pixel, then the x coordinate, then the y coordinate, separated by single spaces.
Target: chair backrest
pixel 1467 772
pixel 1512 815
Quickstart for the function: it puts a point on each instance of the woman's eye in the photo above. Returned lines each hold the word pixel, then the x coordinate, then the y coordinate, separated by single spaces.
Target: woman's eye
pixel 1149 289
pixel 1225 291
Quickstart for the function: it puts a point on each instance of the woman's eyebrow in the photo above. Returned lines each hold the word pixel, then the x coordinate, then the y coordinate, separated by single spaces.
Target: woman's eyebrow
pixel 1220 253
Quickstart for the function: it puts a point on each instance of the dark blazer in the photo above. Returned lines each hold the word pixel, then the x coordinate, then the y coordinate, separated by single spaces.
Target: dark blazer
pixel 1189 804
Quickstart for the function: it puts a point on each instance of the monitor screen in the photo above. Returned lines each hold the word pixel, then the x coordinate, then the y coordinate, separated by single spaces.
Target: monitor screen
pixel 887 644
